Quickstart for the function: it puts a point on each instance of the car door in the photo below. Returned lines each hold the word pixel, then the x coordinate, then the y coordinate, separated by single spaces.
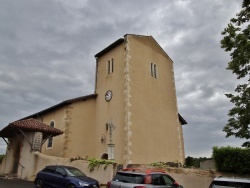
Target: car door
pixel 48 176
pixel 60 178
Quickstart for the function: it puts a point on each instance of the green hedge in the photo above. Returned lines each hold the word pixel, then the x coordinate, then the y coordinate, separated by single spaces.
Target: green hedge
pixel 234 160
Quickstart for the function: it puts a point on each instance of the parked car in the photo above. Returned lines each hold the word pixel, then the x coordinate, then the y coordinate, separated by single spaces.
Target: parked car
pixel 64 177
pixel 137 178
pixel 230 182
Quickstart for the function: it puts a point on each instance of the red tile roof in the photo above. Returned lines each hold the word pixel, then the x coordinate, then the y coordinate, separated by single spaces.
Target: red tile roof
pixel 30 125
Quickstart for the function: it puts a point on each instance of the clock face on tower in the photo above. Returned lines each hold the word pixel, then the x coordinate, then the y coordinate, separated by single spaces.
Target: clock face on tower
pixel 108 95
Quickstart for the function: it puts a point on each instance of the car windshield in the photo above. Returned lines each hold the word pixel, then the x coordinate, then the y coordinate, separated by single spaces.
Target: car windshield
pixel 128 178
pixel 74 172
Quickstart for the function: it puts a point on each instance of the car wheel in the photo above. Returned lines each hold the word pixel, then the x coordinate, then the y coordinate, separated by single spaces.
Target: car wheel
pixel 71 186
pixel 39 183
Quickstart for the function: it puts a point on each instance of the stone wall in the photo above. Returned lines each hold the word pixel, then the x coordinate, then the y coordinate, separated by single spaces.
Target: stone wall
pixel 207 165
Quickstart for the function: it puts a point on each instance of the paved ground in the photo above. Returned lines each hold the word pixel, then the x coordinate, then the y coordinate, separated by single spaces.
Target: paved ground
pixel 15 183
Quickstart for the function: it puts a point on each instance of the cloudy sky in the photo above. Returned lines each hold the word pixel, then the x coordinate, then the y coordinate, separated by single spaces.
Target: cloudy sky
pixel 47 50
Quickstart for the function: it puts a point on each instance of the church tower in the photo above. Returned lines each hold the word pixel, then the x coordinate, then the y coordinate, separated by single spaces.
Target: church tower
pixel 136 94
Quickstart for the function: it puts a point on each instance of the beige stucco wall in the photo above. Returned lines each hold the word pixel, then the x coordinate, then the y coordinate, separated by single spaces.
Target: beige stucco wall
pixel 59 118
pixel 81 128
pixel 76 120
pixel 143 108
pixel 156 127
pixel 114 109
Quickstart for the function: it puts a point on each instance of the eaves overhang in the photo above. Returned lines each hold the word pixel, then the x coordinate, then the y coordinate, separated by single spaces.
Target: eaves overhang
pixel 110 47
pixel 182 120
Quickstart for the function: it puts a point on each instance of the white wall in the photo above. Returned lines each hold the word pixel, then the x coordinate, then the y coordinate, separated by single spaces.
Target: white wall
pixel 37 161
pixel 31 162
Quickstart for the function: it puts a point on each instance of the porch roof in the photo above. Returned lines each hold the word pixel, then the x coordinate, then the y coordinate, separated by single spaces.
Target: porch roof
pixel 29 125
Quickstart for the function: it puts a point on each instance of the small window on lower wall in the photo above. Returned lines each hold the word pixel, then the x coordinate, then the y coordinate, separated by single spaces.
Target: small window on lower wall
pixel 50 139
pixel 104 156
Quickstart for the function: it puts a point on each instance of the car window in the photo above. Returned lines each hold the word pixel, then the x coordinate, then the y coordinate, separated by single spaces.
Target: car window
pixel 160 179
pixel 128 178
pixel 168 180
pixel 49 169
pixel 74 172
pixel 157 179
pixel 60 171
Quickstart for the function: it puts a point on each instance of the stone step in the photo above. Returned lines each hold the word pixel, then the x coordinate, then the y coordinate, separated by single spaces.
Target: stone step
pixel 9 176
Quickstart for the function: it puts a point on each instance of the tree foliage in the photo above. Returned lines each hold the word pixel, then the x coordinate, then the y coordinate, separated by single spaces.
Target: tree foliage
pixel 237 41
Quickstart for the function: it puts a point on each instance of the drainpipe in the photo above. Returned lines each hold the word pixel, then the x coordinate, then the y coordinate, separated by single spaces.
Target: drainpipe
pixel 21 169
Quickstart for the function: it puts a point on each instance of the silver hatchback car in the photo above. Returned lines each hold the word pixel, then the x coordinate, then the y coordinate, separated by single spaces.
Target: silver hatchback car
pixel 230 182
pixel 137 178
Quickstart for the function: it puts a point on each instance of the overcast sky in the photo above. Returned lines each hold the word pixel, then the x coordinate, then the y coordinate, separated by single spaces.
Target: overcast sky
pixel 47 50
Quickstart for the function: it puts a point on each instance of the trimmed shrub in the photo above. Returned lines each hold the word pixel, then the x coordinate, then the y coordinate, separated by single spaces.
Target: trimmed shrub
pixel 233 160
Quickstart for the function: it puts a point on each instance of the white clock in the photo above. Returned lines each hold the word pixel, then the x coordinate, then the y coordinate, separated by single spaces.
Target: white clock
pixel 108 95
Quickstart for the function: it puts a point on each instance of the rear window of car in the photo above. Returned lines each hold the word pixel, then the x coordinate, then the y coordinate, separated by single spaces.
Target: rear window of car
pixel 128 178
pixel 228 184
pixel 49 169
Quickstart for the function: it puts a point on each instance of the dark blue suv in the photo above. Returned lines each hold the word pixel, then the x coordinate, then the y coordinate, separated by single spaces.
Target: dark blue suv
pixel 64 177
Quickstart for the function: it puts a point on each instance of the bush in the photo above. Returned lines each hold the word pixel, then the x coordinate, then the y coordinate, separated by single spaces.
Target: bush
pixel 234 160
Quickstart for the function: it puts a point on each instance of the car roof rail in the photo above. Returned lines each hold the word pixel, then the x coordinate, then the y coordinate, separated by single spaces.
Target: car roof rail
pixel 147 171
pixel 132 169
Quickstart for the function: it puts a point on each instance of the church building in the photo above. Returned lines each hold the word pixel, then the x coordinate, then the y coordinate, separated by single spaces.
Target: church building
pixel 132 117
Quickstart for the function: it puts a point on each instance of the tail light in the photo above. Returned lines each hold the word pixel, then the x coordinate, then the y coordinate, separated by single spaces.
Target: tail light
pixel 108 184
pixel 176 184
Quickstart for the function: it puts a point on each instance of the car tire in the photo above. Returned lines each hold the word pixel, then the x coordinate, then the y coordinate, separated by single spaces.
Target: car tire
pixel 71 186
pixel 38 183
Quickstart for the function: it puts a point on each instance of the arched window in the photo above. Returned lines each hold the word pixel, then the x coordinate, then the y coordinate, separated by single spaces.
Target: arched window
pixel 104 156
pixel 50 140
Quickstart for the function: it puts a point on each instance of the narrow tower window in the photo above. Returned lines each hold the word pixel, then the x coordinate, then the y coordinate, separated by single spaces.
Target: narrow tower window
pixel 153 69
pixel 110 66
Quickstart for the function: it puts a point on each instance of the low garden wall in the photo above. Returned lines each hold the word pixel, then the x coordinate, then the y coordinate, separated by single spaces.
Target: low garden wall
pixel 37 161
pixel 187 177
